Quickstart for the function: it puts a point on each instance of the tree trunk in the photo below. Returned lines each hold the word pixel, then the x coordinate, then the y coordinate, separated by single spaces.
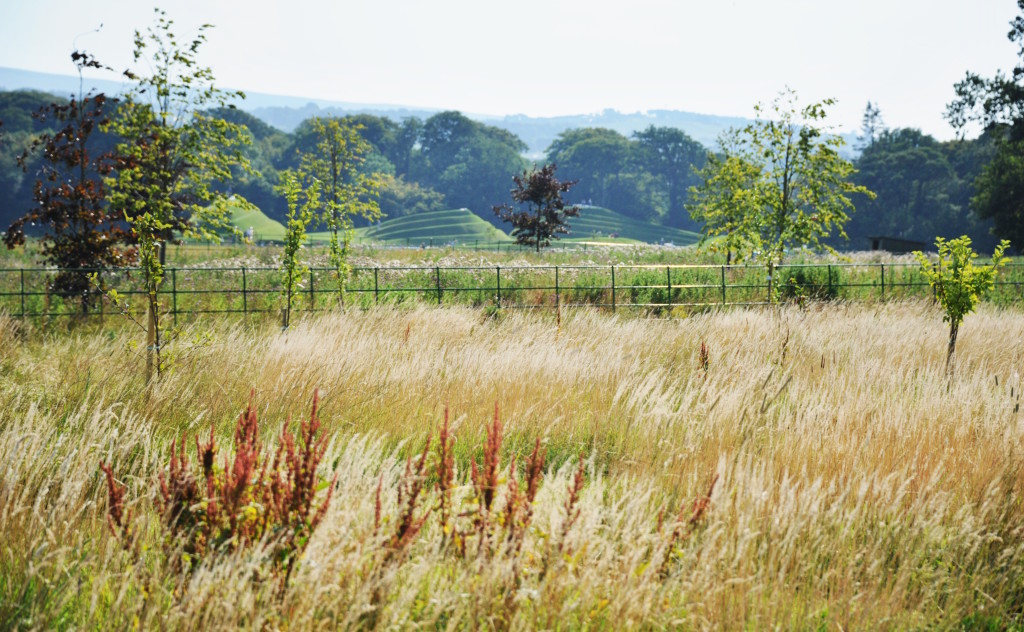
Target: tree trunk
pixel 954 329
pixel 151 340
pixel 153 328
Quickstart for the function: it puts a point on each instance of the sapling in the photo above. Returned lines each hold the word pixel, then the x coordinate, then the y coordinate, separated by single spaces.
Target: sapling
pixel 299 217
pixel 958 283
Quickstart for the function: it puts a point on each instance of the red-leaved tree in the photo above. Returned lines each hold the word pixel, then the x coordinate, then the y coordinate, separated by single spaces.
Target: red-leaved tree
pixel 540 214
pixel 79 233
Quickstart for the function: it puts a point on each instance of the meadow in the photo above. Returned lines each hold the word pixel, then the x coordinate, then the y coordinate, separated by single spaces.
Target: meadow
pixel 799 468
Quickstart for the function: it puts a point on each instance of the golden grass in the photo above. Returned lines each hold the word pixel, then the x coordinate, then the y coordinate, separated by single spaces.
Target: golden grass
pixel 859 486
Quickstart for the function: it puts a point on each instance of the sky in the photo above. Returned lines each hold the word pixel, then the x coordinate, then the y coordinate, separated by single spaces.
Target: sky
pixel 553 57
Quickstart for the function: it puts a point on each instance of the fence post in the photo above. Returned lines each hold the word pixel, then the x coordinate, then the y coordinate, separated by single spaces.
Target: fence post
pixel 245 303
pixel 437 277
pixel 557 297
pixel 23 292
pixel 723 286
pixel 668 284
pixel 498 268
pixel 174 295
pixel 883 281
pixel 830 280
pixel 613 284
pixel 376 287
pixel 312 291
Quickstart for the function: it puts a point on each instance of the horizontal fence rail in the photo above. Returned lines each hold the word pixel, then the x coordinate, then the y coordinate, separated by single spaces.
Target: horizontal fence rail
pixel 659 289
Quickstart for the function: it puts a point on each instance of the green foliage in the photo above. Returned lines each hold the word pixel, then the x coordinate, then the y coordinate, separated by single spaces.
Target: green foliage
pixel 999 191
pixel 998 105
pixel 645 177
pixel 337 189
pixel 292 270
pixel 466 161
pixel 672 156
pixel 781 183
pixel 959 284
pixel 170 155
pixel 723 201
pixel 399 198
pixel 921 193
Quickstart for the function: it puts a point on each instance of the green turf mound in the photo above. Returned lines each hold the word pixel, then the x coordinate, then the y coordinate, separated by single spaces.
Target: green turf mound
pixel 264 228
pixel 457 225
pixel 598 224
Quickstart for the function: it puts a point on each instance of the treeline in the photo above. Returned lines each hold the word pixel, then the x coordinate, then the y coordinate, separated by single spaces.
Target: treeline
pixel 445 161
pixel 451 161
pixel 923 187
pixel 448 160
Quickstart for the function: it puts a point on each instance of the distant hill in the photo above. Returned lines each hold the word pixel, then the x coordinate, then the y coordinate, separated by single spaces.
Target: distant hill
pixel 285 112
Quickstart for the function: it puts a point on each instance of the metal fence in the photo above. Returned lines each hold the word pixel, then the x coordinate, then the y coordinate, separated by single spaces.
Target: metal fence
pixel 28 292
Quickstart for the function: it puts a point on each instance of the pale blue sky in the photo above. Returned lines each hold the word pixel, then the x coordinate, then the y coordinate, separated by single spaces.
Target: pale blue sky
pixel 547 57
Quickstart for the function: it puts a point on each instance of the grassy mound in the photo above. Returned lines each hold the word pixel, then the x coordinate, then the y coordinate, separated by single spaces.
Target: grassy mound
pixel 463 226
pixel 459 225
pixel 597 223
pixel 264 228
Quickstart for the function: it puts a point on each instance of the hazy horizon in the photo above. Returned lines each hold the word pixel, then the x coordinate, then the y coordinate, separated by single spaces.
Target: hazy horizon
pixel 557 58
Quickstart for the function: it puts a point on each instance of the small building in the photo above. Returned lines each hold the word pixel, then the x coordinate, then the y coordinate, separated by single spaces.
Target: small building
pixel 897 246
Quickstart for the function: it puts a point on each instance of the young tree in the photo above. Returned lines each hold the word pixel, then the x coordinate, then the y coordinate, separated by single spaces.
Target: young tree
pixel 171 154
pixel 333 177
pixel 299 217
pixel 81 234
pixel 721 201
pixel 542 214
pixel 799 189
pixel 958 283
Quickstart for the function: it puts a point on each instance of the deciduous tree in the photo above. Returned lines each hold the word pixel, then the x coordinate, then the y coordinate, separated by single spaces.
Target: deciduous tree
pixel 333 177
pixel 171 154
pixel 294 271
pixel 541 214
pixel 997 104
pixel 958 283
pixel 673 156
pixel 80 233
pixel 785 172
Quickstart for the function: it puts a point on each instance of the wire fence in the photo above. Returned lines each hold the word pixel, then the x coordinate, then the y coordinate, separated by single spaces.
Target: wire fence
pixel 659 289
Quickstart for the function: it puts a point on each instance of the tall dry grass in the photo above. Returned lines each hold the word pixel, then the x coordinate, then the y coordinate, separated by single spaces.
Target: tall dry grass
pixel 859 487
